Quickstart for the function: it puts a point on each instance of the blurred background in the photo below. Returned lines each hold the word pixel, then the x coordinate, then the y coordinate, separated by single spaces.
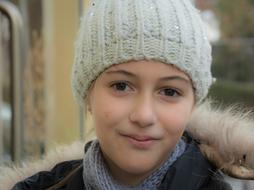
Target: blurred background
pixel 36 54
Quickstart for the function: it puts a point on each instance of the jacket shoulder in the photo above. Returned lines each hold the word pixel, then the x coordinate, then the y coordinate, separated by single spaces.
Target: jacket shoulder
pixel 46 179
pixel 193 171
pixel 12 174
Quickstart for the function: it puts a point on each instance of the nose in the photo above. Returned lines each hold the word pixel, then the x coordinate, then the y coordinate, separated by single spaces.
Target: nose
pixel 143 112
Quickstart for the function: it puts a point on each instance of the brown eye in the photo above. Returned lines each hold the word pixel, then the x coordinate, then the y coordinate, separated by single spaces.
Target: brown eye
pixel 170 92
pixel 120 86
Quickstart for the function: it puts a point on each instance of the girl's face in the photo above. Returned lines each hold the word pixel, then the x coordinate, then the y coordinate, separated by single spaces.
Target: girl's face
pixel 140 110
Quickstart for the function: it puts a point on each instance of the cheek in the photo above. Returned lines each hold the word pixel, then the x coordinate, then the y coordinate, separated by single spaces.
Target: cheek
pixel 103 119
pixel 175 120
pixel 102 114
pixel 107 112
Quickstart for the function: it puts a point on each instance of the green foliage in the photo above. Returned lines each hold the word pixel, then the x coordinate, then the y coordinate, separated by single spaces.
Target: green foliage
pixel 233 66
pixel 236 18
pixel 233 60
pixel 230 92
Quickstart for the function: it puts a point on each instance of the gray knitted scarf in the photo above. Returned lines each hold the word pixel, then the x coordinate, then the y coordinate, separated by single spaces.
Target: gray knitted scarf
pixel 96 175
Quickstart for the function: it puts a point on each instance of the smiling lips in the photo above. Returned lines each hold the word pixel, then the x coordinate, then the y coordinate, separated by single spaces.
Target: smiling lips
pixel 140 142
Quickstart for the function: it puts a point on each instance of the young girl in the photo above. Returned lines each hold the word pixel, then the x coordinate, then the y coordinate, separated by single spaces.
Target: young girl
pixel 141 68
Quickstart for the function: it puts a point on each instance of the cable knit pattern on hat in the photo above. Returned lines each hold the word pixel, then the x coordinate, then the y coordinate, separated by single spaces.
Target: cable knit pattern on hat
pixel 117 31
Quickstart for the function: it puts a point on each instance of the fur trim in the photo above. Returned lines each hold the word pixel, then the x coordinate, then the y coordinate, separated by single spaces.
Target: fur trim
pixel 9 176
pixel 226 136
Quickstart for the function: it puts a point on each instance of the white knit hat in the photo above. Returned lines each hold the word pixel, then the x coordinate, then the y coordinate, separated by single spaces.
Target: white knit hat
pixel 118 31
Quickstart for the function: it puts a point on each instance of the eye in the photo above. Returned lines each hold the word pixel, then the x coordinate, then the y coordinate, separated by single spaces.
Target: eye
pixel 120 86
pixel 170 92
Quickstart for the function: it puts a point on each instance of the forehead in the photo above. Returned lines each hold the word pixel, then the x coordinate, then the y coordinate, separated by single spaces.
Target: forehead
pixel 150 68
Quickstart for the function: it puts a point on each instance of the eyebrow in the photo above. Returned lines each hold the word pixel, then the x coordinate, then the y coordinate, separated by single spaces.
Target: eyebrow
pixel 167 78
pixel 122 72
pixel 176 78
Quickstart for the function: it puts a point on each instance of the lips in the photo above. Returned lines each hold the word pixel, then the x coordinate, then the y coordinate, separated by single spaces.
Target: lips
pixel 141 138
pixel 140 142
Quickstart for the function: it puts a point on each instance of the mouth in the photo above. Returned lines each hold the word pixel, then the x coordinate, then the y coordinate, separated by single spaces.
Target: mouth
pixel 140 142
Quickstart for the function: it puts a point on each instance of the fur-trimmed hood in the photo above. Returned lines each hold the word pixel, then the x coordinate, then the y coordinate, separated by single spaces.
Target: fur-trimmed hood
pixel 226 138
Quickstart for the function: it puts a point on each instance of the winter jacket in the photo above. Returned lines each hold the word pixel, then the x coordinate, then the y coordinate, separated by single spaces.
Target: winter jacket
pixel 223 139
pixel 190 172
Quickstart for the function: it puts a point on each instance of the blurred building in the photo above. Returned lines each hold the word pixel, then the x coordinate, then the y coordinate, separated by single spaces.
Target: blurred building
pixel 36 55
